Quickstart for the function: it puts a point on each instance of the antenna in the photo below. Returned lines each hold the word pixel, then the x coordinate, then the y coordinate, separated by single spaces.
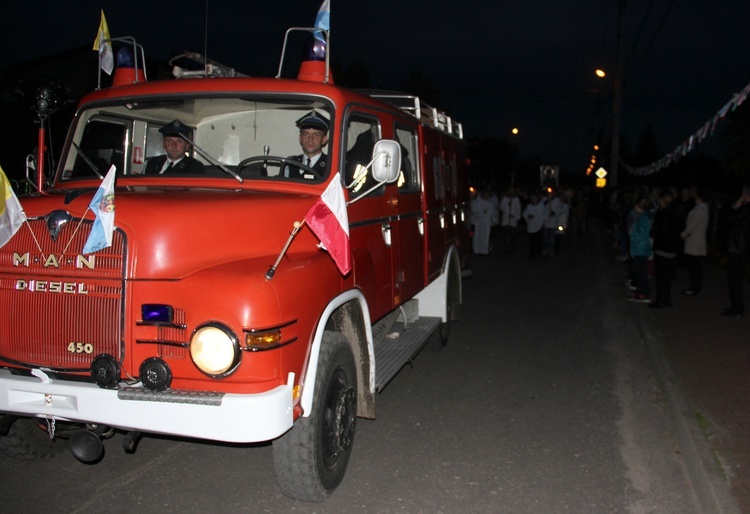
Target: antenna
pixel 205 38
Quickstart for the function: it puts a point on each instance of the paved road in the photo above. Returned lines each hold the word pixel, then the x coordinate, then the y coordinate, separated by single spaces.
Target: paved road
pixel 707 361
pixel 544 401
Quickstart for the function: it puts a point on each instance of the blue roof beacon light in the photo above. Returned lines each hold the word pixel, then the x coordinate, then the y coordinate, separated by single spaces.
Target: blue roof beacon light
pixel 131 63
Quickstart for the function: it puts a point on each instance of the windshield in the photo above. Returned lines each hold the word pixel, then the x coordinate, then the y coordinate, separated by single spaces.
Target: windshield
pixel 236 138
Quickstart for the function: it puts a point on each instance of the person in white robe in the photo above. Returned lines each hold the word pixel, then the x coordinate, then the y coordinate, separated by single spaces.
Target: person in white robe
pixel 483 212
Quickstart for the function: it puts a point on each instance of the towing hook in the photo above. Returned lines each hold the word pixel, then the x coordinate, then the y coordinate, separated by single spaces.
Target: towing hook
pixel 86 445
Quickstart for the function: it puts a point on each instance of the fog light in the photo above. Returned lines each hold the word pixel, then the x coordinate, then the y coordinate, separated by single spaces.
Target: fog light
pixel 105 370
pixel 155 374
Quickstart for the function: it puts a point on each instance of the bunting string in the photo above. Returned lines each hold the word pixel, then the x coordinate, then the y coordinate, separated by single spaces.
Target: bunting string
pixel 689 144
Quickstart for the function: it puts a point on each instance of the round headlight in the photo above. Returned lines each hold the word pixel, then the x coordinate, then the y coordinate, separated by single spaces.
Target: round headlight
pixel 215 350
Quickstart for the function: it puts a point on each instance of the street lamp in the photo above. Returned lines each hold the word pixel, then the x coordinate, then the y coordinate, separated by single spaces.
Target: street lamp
pixel 514 155
pixel 601 74
pixel 616 104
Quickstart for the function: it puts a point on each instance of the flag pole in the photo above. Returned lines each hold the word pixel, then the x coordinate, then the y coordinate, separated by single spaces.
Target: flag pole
pixel 272 271
pixel 26 222
pixel 80 222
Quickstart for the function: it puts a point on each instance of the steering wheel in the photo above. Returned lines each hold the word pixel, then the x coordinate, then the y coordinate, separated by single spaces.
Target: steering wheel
pixel 281 161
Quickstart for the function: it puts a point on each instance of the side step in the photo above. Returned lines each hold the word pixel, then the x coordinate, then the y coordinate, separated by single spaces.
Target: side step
pixel 399 347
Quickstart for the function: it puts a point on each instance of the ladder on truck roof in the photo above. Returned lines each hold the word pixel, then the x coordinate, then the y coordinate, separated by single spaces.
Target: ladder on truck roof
pixel 423 112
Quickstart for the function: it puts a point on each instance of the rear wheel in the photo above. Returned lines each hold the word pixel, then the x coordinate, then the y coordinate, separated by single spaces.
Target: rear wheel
pixel 310 460
pixel 27 440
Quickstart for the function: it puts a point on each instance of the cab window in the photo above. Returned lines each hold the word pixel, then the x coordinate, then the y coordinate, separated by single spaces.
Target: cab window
pixel 102 145
pixel 408 181
pixel 361 134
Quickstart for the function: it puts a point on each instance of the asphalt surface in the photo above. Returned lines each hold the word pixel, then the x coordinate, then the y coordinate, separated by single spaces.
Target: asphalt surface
pixel 703 363
pixel 554 394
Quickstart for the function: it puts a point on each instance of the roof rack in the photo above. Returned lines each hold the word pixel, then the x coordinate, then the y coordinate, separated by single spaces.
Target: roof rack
pixel 205 67
pixel 423 112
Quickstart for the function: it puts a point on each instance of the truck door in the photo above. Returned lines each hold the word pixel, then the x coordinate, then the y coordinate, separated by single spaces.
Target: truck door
pixel 433 173
pixel 409 226
pixel 370 217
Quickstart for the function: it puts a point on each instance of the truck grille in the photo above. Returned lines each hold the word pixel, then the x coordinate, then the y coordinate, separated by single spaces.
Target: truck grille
pixel 58 307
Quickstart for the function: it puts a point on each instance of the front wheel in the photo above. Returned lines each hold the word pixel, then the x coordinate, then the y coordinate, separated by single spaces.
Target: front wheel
pixel 27 440
pixel 310 459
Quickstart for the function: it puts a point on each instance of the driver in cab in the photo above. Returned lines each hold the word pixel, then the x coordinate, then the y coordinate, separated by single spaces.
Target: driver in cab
pixel 176 159
pixel 313 136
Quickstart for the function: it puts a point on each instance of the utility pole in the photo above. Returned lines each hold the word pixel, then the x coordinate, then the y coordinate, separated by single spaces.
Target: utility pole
pixel 617 94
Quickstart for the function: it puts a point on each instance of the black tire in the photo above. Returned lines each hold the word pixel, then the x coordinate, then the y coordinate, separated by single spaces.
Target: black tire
pixel 310 459
pixel 28 441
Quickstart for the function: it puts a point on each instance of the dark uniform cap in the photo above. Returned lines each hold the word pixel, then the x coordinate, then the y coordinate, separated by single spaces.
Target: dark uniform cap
pixel 176 128
pixel 313 120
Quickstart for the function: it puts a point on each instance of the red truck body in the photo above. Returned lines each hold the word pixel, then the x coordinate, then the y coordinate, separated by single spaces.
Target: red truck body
pixel 178 327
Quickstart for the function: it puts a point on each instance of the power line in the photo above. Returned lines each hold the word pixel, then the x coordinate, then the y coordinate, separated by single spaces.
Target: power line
pixel 656 34
pixel 640 27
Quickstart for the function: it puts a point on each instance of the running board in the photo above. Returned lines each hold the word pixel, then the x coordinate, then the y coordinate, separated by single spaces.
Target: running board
pixel 400 346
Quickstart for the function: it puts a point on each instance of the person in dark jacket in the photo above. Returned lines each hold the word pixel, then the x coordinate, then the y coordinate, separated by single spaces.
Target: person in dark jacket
pixel 313 136
pixel 665 233
pixel 176 158
pixel 738 251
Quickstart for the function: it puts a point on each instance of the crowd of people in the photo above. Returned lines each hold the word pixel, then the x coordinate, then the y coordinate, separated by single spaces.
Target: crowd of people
pixel 547 215
pixel 654 231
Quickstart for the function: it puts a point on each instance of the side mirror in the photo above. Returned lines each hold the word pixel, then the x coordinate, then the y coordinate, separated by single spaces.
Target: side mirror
pixel 386 161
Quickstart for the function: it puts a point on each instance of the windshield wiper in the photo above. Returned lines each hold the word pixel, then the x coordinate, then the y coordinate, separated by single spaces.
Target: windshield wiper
pixel 212 159
pixel 87 160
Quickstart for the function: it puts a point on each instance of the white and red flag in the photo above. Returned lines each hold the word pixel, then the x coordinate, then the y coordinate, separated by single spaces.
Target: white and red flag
pixel 328 220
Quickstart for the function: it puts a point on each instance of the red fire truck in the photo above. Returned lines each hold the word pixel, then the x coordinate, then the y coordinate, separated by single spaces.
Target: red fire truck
pixel 214 312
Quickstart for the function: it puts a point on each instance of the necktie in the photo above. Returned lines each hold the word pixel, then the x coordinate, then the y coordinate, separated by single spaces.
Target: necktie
pixel 169 167
pixel 308 162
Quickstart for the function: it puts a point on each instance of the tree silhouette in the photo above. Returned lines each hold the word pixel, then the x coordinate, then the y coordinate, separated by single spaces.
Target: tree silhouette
pixel 647 149
pixel 737 136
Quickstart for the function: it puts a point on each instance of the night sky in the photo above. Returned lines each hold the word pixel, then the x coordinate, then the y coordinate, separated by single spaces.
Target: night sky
pixel 498 65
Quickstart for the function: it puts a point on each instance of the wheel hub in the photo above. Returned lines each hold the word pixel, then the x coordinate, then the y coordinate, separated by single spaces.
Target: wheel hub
pixel 339 419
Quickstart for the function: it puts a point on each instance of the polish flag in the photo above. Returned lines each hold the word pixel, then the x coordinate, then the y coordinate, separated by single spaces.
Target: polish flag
pixel 328 220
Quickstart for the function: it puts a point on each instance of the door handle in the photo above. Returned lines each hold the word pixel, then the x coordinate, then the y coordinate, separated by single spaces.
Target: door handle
pixel 386 229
